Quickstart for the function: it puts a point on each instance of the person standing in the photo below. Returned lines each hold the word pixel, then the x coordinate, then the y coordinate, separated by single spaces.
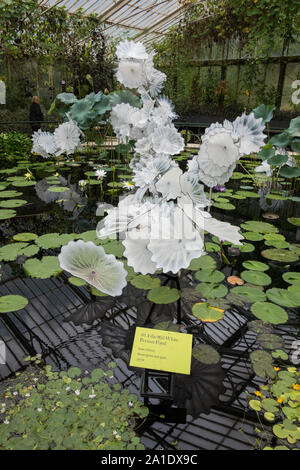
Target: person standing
pixel 35 114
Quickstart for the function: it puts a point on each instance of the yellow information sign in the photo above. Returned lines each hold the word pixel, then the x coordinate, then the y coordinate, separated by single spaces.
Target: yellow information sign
pixel 162 350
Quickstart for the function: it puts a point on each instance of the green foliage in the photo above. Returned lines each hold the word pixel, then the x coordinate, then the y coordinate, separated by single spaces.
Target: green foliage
pixel 45 410
pixel 14 145
pixel 278 401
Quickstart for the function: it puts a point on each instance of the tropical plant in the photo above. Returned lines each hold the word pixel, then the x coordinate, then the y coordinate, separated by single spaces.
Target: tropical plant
pixel 45 409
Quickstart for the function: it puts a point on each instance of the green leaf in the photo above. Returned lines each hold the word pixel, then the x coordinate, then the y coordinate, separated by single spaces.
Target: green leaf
pixel 205 275
pixel 12 303
pixel 204 262
pixel 284 297
pixel 163 295
pixel 262 364
pixel 269 313
pixel 46 267
pixel 145 282
pixel 288 172
pixel 205 313
pixel 280 140
pixel 257 278
pixel 211 291
pixel 265 112
pixel 205 354
pixel 255 265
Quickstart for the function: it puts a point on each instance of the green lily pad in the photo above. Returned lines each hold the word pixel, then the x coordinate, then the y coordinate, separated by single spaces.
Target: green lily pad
pixel 258 278
pixel 58 189
pixel 10 194
pixel 291 278
pixel 204 262
pixel 46 267
pixel 25 237
pixel 255 266
pixel 205 313
pixel 284 297
pixel 7 214
pixel 211 291
pixel 281 255
pixel 294 221
pixel 145 282
pixel 269 341
pixel 163 295
pixel 12 303
pixel 269 313
pixel 205 354
pixel 76 281
pixel 11 203
pixel 253 236
pixel 206 275
pixel 252 293
pixel 262 364
pixel 11 251
pixel 260 227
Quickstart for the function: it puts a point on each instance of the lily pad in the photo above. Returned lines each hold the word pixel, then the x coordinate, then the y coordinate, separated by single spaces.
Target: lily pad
pixel 205 313
pixel 145 282
pixel 204 262
pixel 206 275
pixel 205 354
pixel 253 294
pixel 255 266
pixel 258 278
pixel 262 364
pixel 269 313
pixel 284 297
pixel 294 221
pixel 7 214
pixel 281 255
pixel 25 237
pixel 211 291
pixel 46 267
pixel 260 227
pixel 11 203
pixel 12 303
pixel 163 295
pixel 291 278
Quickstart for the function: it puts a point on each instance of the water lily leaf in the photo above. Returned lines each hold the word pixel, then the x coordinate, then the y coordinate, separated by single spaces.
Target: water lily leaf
pixel 76 281
pixel 248 194
pixel 291 277
pixel 253 236
pixel 258 278
pixel 206 275
pixel 7 214
pixel 280 140
pixel 284 297
pixel 262 364
pixel 269 313
pixel 204 262
pixel 10 194
pixel 237 299
pixel 211 290
pixel 205 354
pixel 167 326
pixel 252 293
pixel 46 267
pixel 11 251
pixel 205 313
pixel 270 405
pixel 145 282
pixel 258 326
pixel 58 189
pixel 255 405
pixel 11 203
pixel 67 98
pixel 281 255
pixel 163 295
pixel 260 227
pixel 280 354
pixel 255 266
pixel 294 221
pixel 12 303
pixel 25 237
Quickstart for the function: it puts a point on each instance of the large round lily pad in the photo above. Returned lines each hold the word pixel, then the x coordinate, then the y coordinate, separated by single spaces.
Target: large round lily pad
pixel 145 282
pixel 163 295
pixel 292 278
pixel 12 303
pixel 205 275
pixel 281 255
pixel 260 227
pixel 204 262
pixel 256 278
pixel 206 313
pixel 211 291
pixel 206 354
pixel 252 293
pixel 7 214
pixel 255 266
pixel 46 267
pixel 284 297
pixel 269 313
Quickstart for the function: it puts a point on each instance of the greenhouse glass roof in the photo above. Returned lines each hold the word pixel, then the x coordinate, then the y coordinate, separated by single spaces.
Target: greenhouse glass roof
pixel 147 20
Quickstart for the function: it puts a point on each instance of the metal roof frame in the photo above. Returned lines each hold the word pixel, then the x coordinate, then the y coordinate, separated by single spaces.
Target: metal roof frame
pixel 146 20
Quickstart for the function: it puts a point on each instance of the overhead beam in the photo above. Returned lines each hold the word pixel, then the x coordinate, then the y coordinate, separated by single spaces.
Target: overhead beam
pixel 164 20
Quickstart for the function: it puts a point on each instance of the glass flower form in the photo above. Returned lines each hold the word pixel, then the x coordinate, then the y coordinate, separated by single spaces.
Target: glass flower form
pixel 67 137
pixel 153 79
pixel 121 119
pixel 148 169
pixel 131 50
pixel 90 262
pixel 130 73
pixel 44 144
pixel 167 140
pixel 216 159
pixel 264 167
pixel 251 133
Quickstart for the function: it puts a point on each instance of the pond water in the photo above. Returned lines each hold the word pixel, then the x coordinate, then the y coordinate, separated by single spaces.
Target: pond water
pixel 247 297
